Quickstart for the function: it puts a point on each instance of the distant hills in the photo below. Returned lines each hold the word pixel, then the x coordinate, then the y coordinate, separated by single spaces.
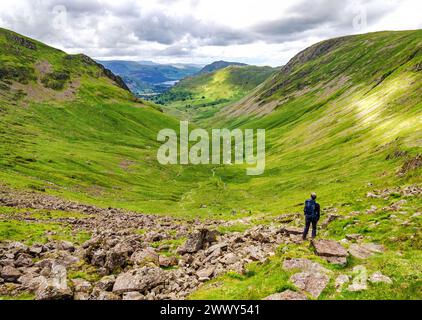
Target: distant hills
pixel 147 78
pixel 217 65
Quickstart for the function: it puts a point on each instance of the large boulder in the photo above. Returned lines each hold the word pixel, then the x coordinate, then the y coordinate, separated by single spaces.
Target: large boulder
pixel 287 295
pixel 30 281
pixel 168 261
pixel 291 231
pixel 10 274
pixel 205 274
pixel 81 285
pixel 255 253
pixel 17 247
pixel 140 280
pixel 303 265
pixel 312 283
pixel 331 250
pixel 55 287
pixel 197 241
pixel 145 257
pixel 378 277
pixel 23 260
pixel 229 258
pixel 98 294
pixel 106 283
pixel 365 250
pixel 133 295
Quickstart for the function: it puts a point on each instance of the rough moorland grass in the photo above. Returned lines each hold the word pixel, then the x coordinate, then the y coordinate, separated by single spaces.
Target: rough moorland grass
pixel 22 296
pixel 36 232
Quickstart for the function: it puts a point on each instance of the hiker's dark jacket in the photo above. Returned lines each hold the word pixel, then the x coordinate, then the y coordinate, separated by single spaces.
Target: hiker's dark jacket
pixel 317 210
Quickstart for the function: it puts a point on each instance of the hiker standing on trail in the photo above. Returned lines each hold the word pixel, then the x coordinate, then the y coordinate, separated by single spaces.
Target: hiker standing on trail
pixel 312 213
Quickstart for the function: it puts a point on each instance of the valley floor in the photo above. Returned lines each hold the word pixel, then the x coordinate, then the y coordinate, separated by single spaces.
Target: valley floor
pixel 56 249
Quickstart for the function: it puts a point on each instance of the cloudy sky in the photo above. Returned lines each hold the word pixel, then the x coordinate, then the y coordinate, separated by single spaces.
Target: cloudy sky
pixel 263 32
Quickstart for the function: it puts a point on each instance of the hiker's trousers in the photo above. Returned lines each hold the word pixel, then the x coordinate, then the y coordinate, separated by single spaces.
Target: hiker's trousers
pixel 308 222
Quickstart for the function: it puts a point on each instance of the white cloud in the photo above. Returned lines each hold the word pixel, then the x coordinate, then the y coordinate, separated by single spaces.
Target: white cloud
pixel 200 31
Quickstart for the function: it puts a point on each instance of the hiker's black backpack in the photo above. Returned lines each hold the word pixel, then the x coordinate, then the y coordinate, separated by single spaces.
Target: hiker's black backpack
pixel 310 211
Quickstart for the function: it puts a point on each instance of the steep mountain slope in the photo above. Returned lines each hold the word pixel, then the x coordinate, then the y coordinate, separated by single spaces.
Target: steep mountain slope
pixel 67 127
pixel 336 68
pixel 343 118
pixel 217 65
pixel 150 78
pixel 200 96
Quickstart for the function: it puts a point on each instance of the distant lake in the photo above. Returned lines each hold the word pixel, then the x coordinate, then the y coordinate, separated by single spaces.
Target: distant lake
pixel 168 83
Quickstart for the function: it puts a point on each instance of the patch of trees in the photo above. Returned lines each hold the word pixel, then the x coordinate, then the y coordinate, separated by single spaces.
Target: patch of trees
pixel 172 96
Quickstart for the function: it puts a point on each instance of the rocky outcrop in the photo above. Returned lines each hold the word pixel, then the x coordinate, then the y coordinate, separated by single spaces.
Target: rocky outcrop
pixel 312 283
pixel 139 280
pixel 22 41
pixel 10 274
pixel 197 241
pixel 409 191
pixel 331 250
pixel 145 257
pixel 106 72
pixel 312 278
pixel 291 231
pixel 378 277
pixel 365 250
pixel 304 265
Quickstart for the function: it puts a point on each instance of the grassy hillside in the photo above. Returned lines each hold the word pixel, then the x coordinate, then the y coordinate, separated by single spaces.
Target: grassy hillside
pixel 217 65
pixel 342 119
pixel 201 96
pixel 349 111
pixel 334 139
pixel 67 128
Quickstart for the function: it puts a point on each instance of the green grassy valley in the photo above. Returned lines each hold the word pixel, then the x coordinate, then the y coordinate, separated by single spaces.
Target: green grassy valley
pixel 342 118
pixel 199 97
pixel 86 138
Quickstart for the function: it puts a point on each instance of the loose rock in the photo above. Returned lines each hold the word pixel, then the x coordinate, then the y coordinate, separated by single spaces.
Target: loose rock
pixel 287 295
